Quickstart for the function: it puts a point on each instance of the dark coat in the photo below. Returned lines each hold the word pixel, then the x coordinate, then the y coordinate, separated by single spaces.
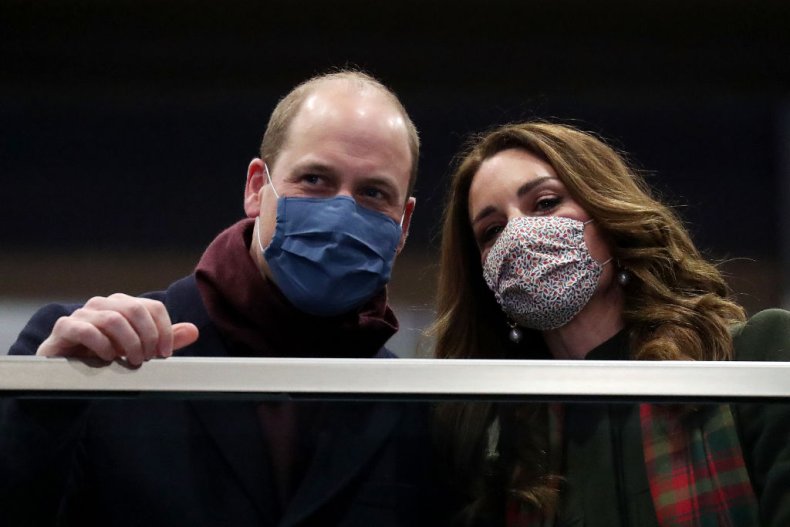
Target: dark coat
pixel 167 461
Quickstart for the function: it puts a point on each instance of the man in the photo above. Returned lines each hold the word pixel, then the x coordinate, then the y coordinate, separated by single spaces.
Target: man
pixel 328 208
pixel 336 135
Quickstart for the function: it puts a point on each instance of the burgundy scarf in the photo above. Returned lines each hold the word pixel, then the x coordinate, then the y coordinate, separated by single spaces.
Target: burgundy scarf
pixel 256 319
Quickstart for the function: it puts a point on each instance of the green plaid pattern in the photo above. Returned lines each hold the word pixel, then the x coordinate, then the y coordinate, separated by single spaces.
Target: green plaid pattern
pixel 694 465
pixel 696 469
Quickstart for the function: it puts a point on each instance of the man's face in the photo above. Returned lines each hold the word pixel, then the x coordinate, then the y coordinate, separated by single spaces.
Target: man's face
pixel 342 142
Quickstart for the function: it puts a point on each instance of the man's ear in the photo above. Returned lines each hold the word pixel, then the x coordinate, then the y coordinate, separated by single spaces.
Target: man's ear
pixel 256 179
pixel 407 212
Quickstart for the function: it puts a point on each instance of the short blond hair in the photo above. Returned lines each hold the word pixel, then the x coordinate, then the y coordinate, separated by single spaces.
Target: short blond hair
pixel 276 133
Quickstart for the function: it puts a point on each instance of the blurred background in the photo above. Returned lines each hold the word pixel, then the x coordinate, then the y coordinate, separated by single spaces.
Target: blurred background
pixel 126 127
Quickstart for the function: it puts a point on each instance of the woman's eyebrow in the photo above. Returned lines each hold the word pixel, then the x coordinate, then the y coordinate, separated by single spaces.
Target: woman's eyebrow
pixel 530 185
pixel 483 213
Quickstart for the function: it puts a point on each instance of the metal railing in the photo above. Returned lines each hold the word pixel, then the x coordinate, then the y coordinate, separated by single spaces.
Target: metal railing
pixel 421 378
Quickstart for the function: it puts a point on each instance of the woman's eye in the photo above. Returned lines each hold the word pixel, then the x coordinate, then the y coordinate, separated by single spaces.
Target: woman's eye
pixel 490 233
pixel 547 204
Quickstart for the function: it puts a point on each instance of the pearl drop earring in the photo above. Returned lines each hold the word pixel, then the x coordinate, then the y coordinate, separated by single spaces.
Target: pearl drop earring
pixel 515 335
pixel 623 277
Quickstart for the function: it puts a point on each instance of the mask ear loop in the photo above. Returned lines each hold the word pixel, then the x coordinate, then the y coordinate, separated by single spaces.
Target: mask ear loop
pixel 258 232
pixel 269 177
pixel 257 218
pixel 601 265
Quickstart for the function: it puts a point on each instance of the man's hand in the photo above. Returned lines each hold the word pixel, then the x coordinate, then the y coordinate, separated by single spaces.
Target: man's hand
pixel 118 326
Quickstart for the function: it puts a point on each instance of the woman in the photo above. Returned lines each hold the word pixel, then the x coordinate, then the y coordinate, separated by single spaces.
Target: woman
pixel 554 248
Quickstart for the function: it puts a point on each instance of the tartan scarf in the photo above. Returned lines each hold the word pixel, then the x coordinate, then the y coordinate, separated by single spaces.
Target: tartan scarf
pixel 695 469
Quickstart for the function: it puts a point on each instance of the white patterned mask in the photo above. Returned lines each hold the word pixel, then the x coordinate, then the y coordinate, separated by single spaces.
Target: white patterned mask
pixel 541 272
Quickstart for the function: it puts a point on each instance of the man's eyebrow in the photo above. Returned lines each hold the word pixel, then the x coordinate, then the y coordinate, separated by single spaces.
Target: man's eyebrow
pixel 381 181
pixel 314 166
pixel 522 190
pixel 389 187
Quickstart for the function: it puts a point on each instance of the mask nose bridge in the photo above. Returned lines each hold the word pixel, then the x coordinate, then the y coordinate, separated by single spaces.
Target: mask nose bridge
pixel 345 192
pixel 514 211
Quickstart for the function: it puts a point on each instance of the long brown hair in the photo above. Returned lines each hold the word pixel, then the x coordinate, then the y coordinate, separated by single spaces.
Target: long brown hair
pixel 676 304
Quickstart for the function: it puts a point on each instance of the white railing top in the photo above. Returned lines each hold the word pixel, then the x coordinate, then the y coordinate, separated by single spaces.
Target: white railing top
pixel 409 377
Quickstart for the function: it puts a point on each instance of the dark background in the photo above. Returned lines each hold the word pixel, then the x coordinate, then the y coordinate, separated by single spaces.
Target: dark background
pixel 126 126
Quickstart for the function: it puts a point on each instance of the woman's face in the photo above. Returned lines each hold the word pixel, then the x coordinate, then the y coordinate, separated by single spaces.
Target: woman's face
pixel 515 183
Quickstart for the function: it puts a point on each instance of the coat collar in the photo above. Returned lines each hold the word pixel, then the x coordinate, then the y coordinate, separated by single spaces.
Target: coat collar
pixel 352 434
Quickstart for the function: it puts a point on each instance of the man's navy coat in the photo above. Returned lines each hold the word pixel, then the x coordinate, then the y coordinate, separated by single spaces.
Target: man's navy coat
pixel 151 461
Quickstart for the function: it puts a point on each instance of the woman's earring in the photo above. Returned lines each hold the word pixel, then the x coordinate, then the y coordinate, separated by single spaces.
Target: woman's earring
pixel 623 277
pixel 515 334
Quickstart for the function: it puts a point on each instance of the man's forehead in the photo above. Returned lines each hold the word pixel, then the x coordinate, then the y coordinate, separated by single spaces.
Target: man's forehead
pixel 356 120
pixel 339 111
pixel 336 98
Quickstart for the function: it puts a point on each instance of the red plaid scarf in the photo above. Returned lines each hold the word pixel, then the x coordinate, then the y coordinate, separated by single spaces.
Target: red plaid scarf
pixel 694 465
pixel 695 468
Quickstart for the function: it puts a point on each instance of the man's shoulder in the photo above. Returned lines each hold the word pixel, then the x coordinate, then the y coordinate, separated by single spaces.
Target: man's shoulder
pixel 183 301
pixel 764 337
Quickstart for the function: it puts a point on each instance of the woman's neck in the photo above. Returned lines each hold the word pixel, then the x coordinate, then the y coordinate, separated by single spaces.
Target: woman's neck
pixel 597 322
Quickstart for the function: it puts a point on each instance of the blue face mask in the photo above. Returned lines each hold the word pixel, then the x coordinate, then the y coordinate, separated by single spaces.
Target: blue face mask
pixel 329 255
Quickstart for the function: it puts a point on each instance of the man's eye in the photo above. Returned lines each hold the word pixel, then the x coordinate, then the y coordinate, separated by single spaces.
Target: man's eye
pixel 373 193
pixel 312 179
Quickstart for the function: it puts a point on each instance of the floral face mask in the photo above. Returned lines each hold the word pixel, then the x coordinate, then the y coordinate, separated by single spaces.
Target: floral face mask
pixel 541 272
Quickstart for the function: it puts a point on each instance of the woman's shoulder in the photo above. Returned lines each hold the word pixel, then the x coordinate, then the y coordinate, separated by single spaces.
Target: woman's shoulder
pixel 765 336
